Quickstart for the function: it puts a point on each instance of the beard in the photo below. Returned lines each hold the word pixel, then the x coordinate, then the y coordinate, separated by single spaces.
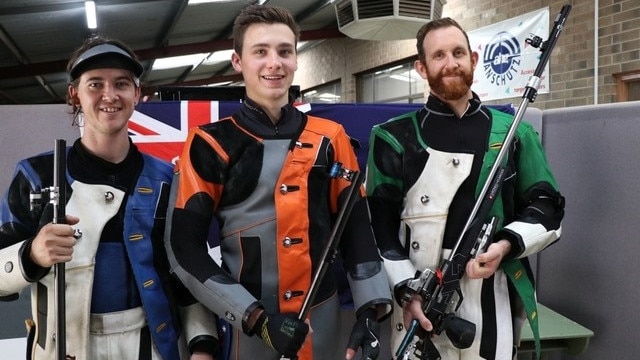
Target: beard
pixel 456 89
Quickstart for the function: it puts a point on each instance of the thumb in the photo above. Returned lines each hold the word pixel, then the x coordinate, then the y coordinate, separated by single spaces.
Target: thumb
pixel 355 339
pixel 72 220
pixel 350 353
pixel 482 258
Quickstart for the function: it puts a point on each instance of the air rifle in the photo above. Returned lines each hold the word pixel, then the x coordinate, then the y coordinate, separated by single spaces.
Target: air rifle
pixel 355 177
pixel 57 198
pixel 440 289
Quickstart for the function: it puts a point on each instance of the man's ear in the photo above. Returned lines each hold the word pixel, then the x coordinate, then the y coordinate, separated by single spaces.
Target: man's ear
pixel 73 95
pixel 421 68
pixel 138 93
pixel 236 62
pixel 474 60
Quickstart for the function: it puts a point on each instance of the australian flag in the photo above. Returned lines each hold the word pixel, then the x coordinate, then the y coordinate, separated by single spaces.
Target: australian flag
pixel 160 128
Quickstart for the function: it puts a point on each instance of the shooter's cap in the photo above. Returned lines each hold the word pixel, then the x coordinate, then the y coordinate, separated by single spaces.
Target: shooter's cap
pixel 105 56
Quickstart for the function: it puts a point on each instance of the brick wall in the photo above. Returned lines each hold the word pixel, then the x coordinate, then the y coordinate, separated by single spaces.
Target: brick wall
pixel 344 58
pixel 572 63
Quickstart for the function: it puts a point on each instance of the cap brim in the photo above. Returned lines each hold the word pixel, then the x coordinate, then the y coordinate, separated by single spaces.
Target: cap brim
pixel 101 51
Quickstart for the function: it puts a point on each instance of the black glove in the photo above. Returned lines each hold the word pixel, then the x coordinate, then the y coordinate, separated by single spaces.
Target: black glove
pixel 366 334
pixel 283 332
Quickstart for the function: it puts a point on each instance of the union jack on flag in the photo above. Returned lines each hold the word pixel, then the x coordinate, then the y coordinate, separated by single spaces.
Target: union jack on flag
pixel 160 128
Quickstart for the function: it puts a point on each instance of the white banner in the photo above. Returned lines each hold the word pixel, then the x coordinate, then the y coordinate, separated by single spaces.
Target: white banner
pixel 505 61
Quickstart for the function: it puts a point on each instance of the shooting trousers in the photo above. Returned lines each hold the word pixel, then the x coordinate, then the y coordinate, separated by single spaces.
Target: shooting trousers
pixel 121 335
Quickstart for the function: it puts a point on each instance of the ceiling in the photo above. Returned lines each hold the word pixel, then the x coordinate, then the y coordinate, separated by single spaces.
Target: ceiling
pixel 38 36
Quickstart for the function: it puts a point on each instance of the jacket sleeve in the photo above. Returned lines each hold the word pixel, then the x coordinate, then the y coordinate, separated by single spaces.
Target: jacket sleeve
pixel 365 272
pixel 193 197
pixel 200 328
pixel 12 280
pixel 18 227
pixel 198 324
pixel 385 193
pixel 539 206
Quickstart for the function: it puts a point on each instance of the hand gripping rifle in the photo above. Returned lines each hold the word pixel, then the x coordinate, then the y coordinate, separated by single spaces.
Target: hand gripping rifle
pixel 441 288
pixel 355 177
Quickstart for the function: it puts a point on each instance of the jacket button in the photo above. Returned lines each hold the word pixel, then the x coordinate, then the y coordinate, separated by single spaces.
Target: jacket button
pixel 8 267
pixel 292 293
pixel 415 245
pixel 229 316
pixel 161 327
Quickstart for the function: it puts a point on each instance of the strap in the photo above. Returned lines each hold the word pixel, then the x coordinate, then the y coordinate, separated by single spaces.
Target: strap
pixel 516 272
pixel 144 353
pixel 31 335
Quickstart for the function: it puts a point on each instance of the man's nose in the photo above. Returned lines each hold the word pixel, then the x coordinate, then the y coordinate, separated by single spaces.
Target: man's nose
pixel 109 93
pixel 275 60
pixel 452 62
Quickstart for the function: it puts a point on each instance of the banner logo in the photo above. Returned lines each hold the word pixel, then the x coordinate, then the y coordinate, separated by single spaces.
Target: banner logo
pixel 505 60
pixel 501 59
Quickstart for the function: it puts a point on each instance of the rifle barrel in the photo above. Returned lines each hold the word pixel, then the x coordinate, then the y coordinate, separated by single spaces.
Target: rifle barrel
pixel 58 199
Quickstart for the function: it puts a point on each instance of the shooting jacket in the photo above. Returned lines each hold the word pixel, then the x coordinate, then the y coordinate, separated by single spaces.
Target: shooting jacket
pixel 95 204
pixel 425 170
pixel 268 189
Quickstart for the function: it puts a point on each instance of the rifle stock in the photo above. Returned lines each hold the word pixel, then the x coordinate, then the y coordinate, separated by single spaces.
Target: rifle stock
pixel 439 288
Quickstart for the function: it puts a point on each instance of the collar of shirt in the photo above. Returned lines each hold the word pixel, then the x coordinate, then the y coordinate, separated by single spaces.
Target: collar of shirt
pixel 252 118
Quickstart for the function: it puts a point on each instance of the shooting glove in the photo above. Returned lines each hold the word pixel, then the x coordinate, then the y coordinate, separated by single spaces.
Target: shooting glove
pixel 366 334
pixel 282 332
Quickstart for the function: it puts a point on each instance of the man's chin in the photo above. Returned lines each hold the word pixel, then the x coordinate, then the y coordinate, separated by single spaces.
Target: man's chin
pixel 277 94
pixel 452 95
pixel 274 95
pixel 453 81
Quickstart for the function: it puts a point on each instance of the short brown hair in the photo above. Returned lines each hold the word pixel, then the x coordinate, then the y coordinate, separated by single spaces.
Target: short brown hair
pixel 434 25
pixel 256 14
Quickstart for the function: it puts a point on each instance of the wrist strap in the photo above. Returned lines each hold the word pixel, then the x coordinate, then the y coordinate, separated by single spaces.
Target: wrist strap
pixel 368 313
